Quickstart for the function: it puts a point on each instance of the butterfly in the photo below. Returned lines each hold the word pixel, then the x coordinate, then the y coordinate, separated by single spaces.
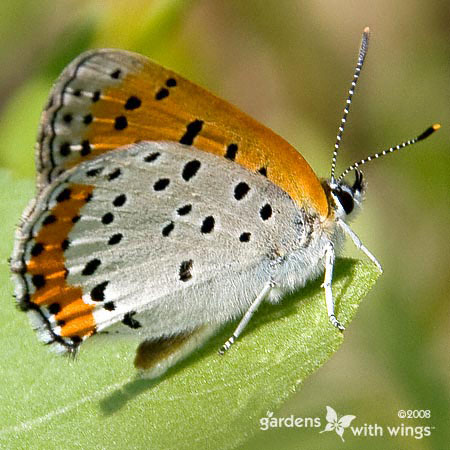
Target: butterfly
pixel 164 212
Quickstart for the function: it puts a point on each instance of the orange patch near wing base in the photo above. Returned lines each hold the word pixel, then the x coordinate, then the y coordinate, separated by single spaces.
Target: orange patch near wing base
pixel 48 269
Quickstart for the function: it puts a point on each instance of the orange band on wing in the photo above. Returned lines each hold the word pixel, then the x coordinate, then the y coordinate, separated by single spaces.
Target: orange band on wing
pixel 48 269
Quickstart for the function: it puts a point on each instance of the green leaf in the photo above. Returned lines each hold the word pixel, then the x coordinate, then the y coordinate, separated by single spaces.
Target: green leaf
pixel 18 127
pixel 95 401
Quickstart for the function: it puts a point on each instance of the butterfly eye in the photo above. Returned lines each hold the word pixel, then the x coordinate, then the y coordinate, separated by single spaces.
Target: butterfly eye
pixel 345 199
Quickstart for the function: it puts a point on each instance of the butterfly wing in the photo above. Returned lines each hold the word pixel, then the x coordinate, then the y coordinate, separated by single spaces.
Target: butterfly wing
pixel 106 99
pixel 157 239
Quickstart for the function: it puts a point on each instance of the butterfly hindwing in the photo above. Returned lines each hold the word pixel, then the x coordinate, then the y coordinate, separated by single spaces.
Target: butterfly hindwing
pixel 139 238
pixel 106 99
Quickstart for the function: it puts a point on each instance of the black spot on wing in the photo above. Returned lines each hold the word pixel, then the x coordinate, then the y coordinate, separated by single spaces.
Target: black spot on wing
pixel 133 102
pixel 37 249
pixel 63 195
pixel 161 184
pixel 49 220
pixel 231 152
pixel 183 210
pixel 107 218
pixel 54 308
pixel 162 93
pixel 192 130
pixel 115 239
pixel 241 190
pixel 114 174
pixel 168 229
pixel 116 74
pixel 207 225
pixel 64 149
pixel 186 270
pixel 152 157
pixel 120 200
pixel 91 267
pixel 263 171
pixel 120 123
pixel 109 306
pixel 95 96
pixel 98 292
pixel 190 169
pixel 244 237
pixel 265 212
pixel 85 148
pixel 94 172
pixel 129 321
pixel 38 281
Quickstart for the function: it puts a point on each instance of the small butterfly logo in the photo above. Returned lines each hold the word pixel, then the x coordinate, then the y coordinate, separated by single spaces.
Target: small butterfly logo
pixel 335 424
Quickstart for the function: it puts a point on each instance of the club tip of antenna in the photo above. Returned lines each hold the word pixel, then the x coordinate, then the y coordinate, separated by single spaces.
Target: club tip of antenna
pixel 436 126
pixel 366 30
pixel 429 131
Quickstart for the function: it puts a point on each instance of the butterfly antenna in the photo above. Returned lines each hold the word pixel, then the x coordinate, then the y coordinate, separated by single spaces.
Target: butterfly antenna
pixel 428 132
pixel 362 55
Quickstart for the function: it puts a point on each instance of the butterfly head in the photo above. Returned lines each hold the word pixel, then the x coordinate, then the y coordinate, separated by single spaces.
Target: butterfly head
pixel 345 198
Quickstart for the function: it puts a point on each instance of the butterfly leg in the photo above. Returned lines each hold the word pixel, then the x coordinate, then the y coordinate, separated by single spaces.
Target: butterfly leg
pixel 329 264
pixel 359 244
pixel 247 316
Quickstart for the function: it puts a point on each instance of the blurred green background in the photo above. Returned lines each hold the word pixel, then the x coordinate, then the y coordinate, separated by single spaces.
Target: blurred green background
pixel 289 65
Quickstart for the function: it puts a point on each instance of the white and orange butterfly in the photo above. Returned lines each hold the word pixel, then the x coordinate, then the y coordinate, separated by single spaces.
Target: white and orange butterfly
pixel 164 212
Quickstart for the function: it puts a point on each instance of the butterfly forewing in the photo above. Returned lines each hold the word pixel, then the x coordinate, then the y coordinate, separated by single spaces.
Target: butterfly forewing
pixel 106 99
